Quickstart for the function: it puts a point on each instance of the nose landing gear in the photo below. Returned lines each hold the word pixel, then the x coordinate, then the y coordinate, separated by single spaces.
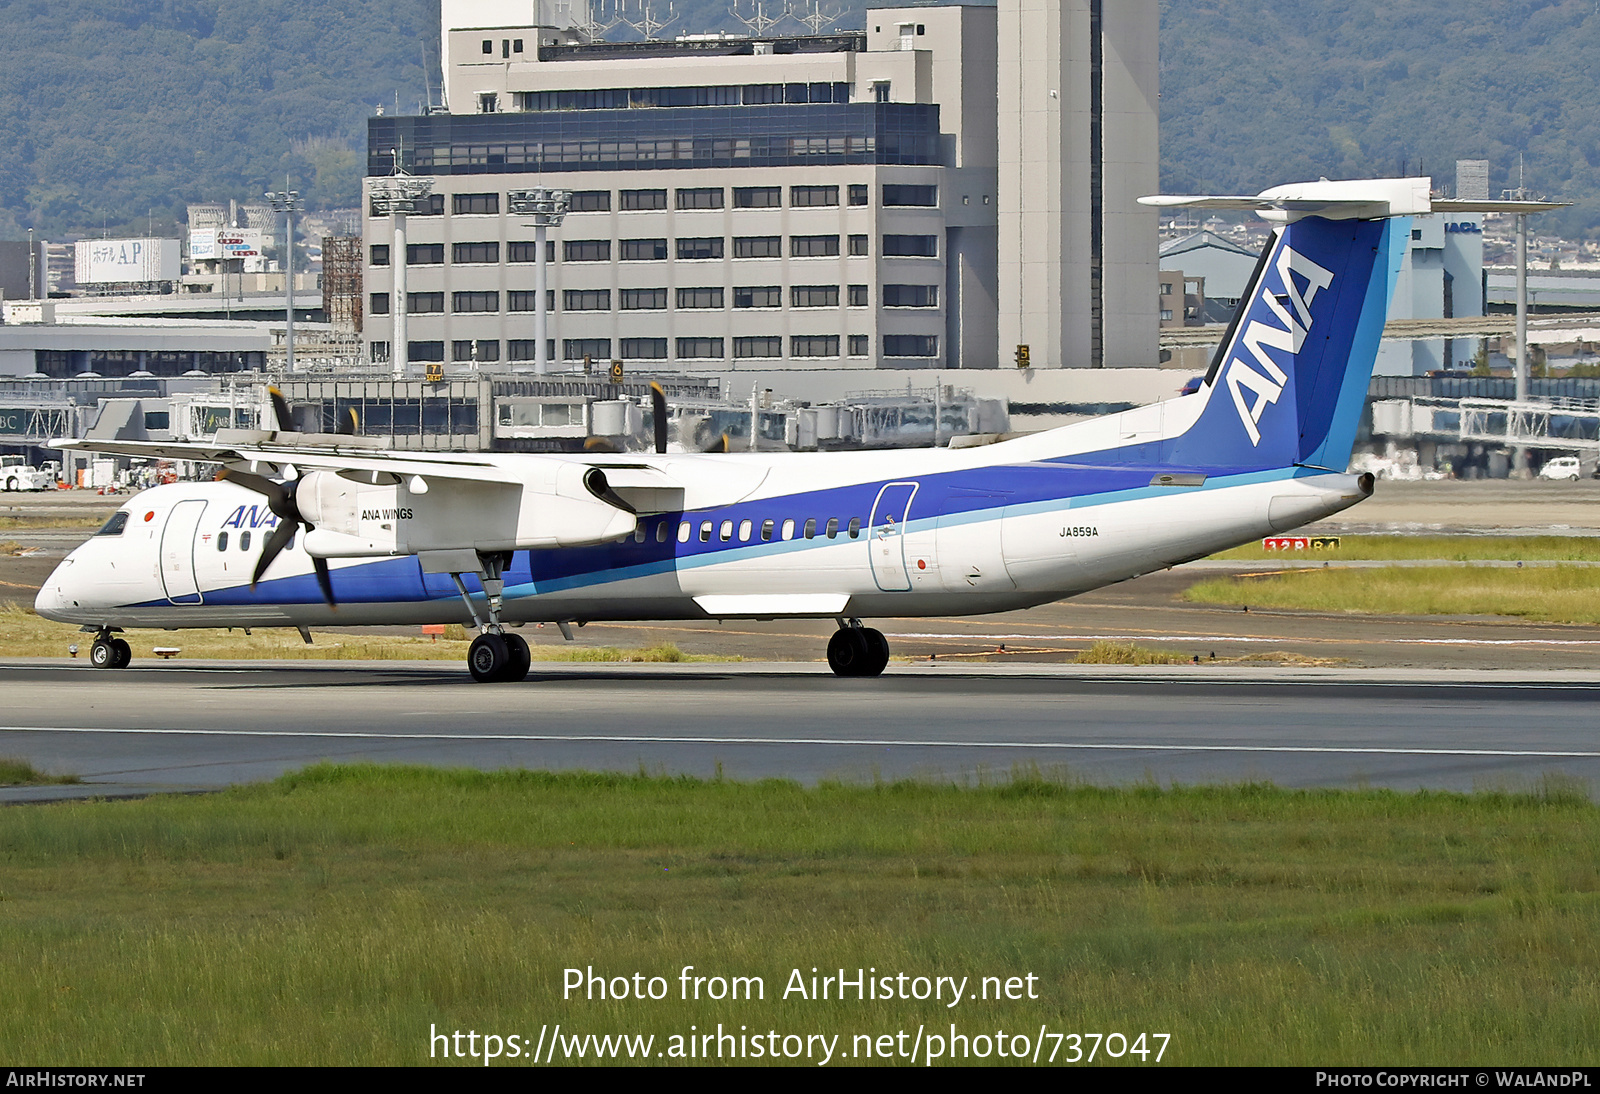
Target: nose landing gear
pixel 109 652
pixel 855 650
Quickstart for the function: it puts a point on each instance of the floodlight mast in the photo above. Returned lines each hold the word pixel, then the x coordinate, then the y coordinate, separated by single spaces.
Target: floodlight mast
pixel 286 202
pixel 547 208
pixel 395 196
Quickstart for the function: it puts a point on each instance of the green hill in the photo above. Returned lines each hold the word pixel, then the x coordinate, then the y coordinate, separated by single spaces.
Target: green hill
pixel 112 111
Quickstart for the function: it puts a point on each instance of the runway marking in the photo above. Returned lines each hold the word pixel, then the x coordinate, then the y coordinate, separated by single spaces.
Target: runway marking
pixel 596 738
pixel 1153 637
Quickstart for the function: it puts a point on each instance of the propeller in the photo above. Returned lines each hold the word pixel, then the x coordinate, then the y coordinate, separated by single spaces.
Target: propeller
pixel 350 425
pixel 658 410
pixel 718 445
pixel 281 500
pixel 600 444
pixel 280 411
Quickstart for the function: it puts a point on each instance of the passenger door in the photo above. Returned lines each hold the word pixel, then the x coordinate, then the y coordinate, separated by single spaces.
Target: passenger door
pixel 887 536
pixel 177 552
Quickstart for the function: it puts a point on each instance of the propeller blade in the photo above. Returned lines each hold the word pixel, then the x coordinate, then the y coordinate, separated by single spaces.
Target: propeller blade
pixel 352 423
pixel 324 580
pixel 280 410
pixel 718 445
pixel 278 496
pixel 658 410
pixel 600 444
pixel 281 535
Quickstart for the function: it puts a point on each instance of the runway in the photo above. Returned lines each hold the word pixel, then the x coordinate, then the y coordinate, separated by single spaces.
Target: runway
pixel 191 727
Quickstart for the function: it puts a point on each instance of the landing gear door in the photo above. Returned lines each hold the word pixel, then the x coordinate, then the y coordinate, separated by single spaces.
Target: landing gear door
pixel 887 543
pixel 177 552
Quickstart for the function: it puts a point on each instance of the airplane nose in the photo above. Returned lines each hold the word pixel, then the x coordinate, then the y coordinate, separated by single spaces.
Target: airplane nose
pixel 53 601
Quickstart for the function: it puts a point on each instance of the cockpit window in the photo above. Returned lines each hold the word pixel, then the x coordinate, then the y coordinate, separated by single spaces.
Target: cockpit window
pixel 114 526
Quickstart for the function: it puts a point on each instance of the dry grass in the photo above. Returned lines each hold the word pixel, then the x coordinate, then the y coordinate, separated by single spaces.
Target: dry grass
pixel 15 772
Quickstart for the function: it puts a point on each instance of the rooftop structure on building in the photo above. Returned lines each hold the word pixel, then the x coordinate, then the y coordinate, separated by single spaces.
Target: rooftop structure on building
pixel 909 195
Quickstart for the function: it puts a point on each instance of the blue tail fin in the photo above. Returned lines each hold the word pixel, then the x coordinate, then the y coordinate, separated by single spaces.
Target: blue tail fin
pixel 1290 381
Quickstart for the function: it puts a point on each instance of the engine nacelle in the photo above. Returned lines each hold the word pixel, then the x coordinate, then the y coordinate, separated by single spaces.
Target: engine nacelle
pixel 565 505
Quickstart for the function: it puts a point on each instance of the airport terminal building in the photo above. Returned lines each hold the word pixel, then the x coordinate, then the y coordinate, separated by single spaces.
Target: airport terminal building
pixel 950 183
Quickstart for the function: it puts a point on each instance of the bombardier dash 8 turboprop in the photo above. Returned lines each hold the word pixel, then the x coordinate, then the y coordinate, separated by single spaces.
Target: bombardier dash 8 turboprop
pixel 304 530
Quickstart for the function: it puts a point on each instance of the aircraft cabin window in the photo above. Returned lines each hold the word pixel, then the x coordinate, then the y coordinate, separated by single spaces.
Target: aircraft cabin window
pixel 833 527
pixel 766 531
pixel 726 531
pixel 114 526
pixel 788 529
pixel 855 527
pixel 811 528
pixel 661 532
pixel 638 534
pixel 683 532
pixel 244 541
pixel 705 531
pixel 222 541
pixel 744 531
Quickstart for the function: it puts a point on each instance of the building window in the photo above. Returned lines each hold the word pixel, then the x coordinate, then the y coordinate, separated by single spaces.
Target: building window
pixel 425 303
pixel 425 351
pixel 485 349
pixel 590 201
pixel 516 45
pixel 858 246
pixel 380 352
pixel 758 347
pixel 643 250
pixel 901 195
pixel 644 349
pixel 911 345
pixel 757 197
pixel 645 299
pixel 526 250
pixel 813 246
pixel 1166 288
pixel 757 296
pixel 860 345
pixel 860 296
pixel 488 47
pixel 424 254
pixel 641 200
pixel 474 204
pixel 757 246
pixel 805 197
pixel 911 296
pixel 880 91
pixel 468 302
pixel 701 197
pixel 1166 315
pixel 911 246
pixel 586 250
pixel 708 247
pixel 576 349
pixel 380 254
pixel 488 103
pixel 526 300
pixel 379 304
pixel 699 348
pixel 860 193
pixel 707 297
pixel 522 349
pixel 586 300
pixel 472 253
pixel 430 206
pixel 814 296
pixel 814 345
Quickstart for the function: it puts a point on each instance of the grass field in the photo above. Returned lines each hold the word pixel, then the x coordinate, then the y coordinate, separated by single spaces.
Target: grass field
pixel 24 634
pixel 334 915
pixel 1445 548
pixel 1560 594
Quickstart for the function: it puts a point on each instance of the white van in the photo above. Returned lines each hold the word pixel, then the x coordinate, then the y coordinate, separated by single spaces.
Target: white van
pixel 1562 467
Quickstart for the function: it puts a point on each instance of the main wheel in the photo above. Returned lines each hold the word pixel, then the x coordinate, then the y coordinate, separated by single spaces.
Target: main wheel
pixel 123 652
pixel 520 658
pixel 488 657
pixel 877 652
pixel 848 652
pixel 103 655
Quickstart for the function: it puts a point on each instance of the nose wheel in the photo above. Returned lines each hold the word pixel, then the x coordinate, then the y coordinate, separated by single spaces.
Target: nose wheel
pixel 110 652
pixel 855 650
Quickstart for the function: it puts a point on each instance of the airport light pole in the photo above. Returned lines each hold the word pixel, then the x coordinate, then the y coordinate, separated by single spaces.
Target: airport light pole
pixel 547 208
pixel 395 196
pixel 286 202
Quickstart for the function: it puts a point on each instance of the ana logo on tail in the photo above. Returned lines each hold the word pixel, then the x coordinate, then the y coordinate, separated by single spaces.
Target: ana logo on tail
pixel 1260 336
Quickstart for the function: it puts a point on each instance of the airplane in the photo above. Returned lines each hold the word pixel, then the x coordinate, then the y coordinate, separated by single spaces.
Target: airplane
pixel 313 529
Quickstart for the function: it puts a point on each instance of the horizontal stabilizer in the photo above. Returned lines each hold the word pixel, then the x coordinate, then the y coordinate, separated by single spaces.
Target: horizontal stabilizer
pixel 1357 199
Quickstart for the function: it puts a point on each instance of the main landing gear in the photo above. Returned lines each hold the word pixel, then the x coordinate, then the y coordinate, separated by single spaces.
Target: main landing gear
pixel 855 650
pixel 109 652
pixel 495 657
